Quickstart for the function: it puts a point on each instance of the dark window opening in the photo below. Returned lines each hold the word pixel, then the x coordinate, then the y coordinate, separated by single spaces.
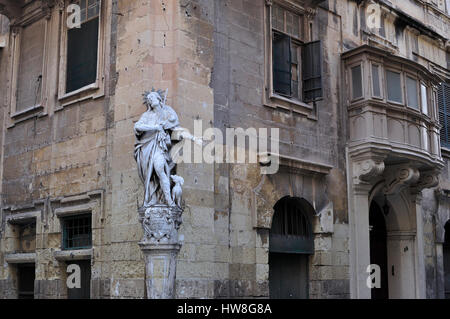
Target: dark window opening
pixel 77 232
pixel 25 276
pixel 289 73
pixel 82 49
pixel 444 113
pixel 357 89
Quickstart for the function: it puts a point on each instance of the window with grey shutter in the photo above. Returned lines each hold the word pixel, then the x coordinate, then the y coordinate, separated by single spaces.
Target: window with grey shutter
pixel 281 63
pixel 29 79
pixel 312 71
pixel 444 113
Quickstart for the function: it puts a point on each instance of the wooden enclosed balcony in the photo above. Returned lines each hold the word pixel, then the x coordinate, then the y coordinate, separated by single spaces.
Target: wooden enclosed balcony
pixel 391 108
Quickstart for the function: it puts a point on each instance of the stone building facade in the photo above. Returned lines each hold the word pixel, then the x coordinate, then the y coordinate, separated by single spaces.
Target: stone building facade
pixel 356 89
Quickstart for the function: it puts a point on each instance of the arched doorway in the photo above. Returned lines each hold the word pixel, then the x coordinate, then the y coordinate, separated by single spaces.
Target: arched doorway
pixel 291 243
pixel 378 249
pixel 447 260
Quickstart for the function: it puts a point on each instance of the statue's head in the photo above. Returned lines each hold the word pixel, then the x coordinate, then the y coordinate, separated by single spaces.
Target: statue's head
pixel 152 99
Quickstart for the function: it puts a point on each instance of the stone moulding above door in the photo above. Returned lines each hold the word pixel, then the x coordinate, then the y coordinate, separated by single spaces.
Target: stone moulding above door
pixel 265 195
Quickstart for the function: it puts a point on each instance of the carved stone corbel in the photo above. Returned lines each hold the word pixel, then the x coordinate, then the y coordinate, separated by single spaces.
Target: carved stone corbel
pixel 428 179
pixel 366 170
pixel 47 6
pixel 399 177
pixel 310 13
pixel 61 5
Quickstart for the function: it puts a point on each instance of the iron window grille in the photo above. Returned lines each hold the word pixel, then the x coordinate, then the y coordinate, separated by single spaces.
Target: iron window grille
pixel 77 232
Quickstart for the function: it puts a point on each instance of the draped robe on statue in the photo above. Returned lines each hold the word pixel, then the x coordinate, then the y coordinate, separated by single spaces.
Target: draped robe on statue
pixel 153 145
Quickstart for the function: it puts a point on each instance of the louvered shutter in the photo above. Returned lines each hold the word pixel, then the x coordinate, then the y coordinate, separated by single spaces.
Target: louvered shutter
pixel 444 113
pixel 281 64
pixel 312 71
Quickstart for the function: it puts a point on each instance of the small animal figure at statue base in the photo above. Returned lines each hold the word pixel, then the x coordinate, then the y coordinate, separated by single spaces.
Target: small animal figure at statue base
pixel 176 190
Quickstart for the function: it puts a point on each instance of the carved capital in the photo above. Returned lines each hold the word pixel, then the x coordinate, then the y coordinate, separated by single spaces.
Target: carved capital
pixel 367 169
pixel 399 177
pixel 269 2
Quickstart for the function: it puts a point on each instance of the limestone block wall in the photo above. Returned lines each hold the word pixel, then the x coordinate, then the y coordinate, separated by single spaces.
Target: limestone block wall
pixel 58 153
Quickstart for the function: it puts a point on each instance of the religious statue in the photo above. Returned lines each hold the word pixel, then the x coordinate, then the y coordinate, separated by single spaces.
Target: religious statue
pixel 153 143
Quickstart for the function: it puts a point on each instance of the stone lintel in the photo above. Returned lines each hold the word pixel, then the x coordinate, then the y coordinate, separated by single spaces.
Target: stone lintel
pixel 22 218
pixel 73 210
pixel 77 254
pixel 20 258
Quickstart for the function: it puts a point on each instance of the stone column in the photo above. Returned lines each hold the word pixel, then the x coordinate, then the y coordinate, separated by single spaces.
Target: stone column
pixel 365 171
pixel 160 247
pixel 360 252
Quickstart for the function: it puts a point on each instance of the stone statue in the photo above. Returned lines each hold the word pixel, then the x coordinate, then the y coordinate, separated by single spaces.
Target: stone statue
pixel 161 212
pixel 153 143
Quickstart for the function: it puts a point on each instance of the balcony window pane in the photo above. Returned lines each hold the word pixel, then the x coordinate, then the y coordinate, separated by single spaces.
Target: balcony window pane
pixel 356 82
pixel 394 88
pixel 423 95
pixel 411 91
pixel 376 80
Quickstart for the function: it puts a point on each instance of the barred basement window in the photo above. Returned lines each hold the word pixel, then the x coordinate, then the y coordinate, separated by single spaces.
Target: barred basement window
pixel 82 47
pixel 444 113
pixel 296 66
pixel 77 232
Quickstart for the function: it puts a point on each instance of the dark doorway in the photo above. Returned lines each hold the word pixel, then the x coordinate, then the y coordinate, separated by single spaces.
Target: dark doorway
pixel 447 260
pixel 378 249
pixel 84 292
pixel 290 245
pixel 288 275
pixel 25 276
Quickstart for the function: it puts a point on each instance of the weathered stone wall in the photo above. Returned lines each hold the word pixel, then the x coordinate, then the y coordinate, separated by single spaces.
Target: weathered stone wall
pixel 210 56
pixel 58 153
pixel 238 82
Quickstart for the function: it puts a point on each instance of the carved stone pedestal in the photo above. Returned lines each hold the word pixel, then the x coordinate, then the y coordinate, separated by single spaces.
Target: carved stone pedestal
pixel 160 269
pixel 160 246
